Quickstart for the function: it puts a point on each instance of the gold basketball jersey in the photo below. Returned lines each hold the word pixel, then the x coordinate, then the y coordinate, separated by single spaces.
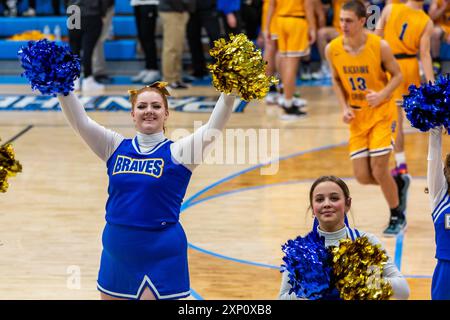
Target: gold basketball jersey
pixel 359 72
pixel 404 28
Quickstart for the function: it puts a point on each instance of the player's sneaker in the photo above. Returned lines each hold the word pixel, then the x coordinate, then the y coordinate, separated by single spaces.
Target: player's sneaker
pixel 396 225
pixel 292 113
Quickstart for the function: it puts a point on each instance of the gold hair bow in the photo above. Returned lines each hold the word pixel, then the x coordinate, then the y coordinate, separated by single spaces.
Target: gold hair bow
pixel 161 86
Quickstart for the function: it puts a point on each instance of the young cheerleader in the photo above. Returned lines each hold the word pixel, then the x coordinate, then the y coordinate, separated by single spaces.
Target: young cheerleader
pixel 330 201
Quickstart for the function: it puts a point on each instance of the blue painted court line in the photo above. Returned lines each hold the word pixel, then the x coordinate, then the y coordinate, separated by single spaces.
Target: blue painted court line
pixel 186 204
pixel 398 250
pixel 196 295
pixel 413 276
pixel 13 80
pixel 217 255
pixel 225 193
pixel 191 201
pixel 399 238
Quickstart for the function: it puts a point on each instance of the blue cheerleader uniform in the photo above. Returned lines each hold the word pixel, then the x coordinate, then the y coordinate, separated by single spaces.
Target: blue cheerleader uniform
pixel 440 284
pixel 144 244
pixel 353 234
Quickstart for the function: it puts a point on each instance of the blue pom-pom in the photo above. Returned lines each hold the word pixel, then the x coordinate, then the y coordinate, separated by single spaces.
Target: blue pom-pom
pixel 50 68
pixel 427 106
pixel 308 263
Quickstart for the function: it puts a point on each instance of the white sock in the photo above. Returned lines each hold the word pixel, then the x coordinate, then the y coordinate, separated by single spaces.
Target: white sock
pixel 400 158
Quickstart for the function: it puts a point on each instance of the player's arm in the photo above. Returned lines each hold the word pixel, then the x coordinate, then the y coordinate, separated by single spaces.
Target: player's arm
pixel 425 56
pixel 311 19
pixel 379 28
pixel 435 11
pixel 347 112
pixel 391 65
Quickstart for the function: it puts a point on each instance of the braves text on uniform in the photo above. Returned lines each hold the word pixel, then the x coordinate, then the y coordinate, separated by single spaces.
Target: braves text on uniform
pixel 150 167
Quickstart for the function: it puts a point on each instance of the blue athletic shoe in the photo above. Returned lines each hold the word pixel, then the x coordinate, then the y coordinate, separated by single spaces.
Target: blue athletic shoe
pixel 396 225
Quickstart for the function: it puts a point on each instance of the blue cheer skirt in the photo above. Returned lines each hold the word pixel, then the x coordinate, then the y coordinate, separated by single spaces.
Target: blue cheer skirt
pixel 135 258
pixel 440 284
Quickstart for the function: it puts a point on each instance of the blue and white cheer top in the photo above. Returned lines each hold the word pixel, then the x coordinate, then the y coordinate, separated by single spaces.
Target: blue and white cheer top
pixel 145 189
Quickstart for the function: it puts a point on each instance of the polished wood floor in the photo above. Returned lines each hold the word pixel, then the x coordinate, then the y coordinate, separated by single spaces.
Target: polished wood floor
pixel 236 218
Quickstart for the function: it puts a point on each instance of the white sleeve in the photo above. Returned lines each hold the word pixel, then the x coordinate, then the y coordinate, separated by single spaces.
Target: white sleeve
pixel 101 140
pixel 392 274
pixel 437 184
pixel 190 150
pixel 285 287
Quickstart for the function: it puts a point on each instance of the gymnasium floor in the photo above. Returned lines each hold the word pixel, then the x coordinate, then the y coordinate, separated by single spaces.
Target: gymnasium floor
pixel 235 217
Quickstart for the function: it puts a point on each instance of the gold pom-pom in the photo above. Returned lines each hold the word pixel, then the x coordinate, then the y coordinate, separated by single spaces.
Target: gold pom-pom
pixel 239 68
pixel 9 167
pixel 358 268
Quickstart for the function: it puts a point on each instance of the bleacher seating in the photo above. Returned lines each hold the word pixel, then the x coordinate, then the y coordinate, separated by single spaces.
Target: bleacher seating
pixel 44 7
pixel 122 47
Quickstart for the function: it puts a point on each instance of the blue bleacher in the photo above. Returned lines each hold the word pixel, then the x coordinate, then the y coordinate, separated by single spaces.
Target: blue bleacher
pixel 44 7
pixel 124 27
pixel 114 50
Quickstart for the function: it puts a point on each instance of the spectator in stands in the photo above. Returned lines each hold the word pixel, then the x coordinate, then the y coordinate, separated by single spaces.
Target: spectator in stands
pixel 9 8
pixel 440 14
pixel 305 65
pixel 98 57
pixel 205 16
pixel 31 11
pixel 251 11
pixel 326 34
pixel 230 13
pixel 85 39
pixel 296 31
pixel 146 13
pixel 174 15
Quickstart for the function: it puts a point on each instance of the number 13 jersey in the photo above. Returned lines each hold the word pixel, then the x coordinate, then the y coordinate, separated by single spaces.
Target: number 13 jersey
pixel 358 72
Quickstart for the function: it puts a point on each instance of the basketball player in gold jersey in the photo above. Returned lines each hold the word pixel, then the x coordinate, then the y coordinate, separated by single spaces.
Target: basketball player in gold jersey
pixel 270 51
pixel 357 61
pixel 296 31
pixel 407 29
